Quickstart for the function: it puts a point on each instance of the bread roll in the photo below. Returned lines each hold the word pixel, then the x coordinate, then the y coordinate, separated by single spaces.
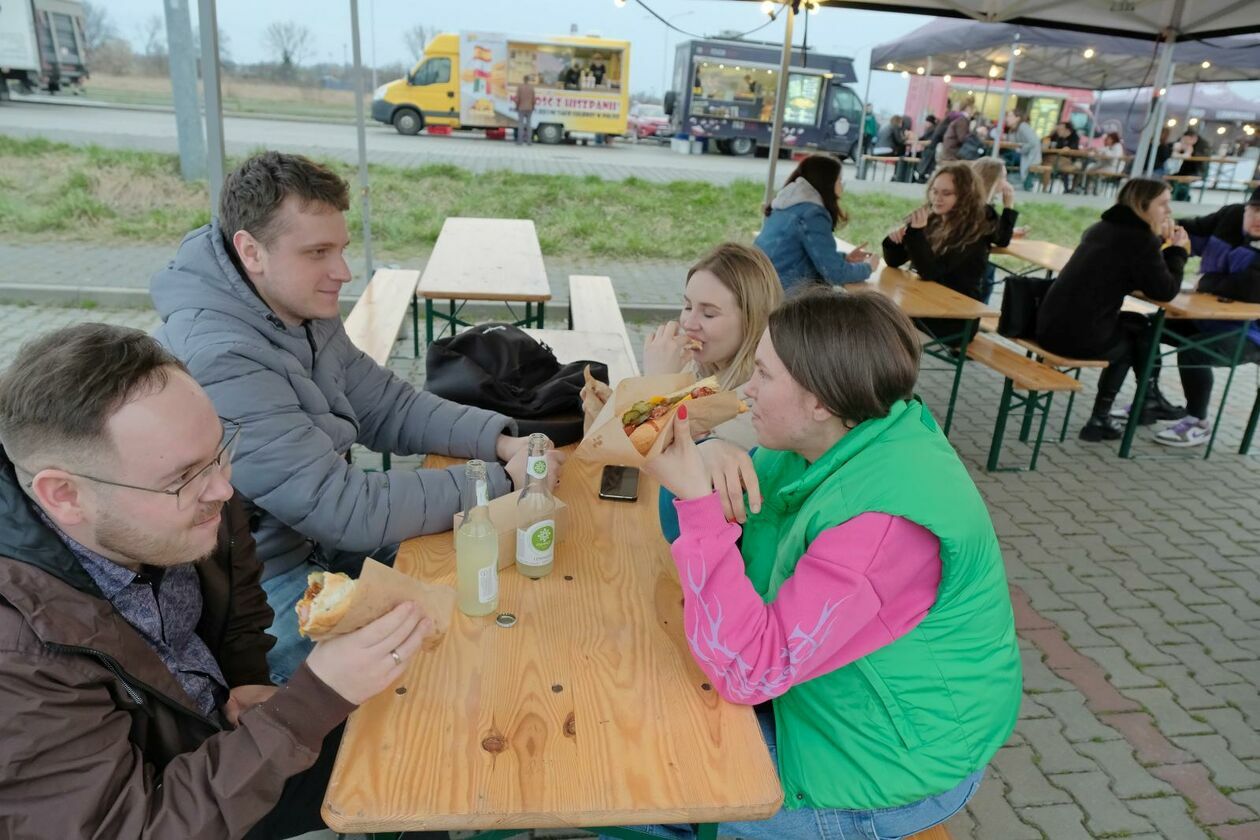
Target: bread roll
pixel 328 596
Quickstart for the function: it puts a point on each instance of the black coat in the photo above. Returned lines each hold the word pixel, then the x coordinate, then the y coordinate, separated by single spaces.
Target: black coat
pixel 1117 256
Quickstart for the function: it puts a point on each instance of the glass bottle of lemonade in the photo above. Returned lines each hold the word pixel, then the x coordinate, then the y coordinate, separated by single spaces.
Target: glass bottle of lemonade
pixel 476 547
pixel 536 514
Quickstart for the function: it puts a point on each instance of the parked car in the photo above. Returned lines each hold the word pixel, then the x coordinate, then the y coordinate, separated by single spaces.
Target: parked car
pixel 647 120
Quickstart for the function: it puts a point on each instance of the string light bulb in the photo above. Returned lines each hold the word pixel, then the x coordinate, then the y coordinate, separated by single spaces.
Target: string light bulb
pixel 620 4
pixel 1172 123
pixel 1205 65
pixel 994 71
pixel 1018 51
pixel 814 7
pixel 767 6
pixel 921 71
pixel 889 66
pixel 1194 121
pixel 962 65
pixel 948 78
pixel 905 74
pixel 1089 52
pixel 1220 130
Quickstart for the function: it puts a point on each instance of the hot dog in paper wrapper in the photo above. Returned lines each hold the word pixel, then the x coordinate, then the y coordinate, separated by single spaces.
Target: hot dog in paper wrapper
pixel 607 442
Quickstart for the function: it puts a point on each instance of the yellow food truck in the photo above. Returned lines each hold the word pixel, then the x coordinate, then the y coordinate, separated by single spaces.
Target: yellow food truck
pixel 468 81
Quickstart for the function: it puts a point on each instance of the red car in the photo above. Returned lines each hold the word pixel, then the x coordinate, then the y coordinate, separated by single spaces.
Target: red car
pixel 647 121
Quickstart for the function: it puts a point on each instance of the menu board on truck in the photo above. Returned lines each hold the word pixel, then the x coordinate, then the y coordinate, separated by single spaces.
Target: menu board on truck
pixel 483 94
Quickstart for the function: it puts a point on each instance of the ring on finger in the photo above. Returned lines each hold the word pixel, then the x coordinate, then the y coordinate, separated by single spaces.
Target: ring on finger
pixel 397 658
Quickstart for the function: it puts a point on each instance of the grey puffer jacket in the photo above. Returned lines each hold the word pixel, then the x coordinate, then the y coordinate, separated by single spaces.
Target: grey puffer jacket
pixel 303 395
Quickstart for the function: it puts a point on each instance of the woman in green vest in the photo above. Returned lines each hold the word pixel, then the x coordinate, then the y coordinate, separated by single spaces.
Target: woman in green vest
pixel 863 606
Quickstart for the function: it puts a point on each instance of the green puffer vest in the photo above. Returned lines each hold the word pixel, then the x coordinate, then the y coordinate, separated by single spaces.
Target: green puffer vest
pixel 916 717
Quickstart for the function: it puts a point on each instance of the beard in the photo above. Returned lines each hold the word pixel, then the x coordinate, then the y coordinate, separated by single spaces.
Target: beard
pixel 153 548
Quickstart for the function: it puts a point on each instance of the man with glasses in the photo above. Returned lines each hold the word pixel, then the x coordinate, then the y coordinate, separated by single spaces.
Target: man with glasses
pixel 250 305
pixel 133 676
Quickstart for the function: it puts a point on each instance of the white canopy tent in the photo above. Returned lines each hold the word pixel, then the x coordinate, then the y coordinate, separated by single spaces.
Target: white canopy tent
pixel 1166 21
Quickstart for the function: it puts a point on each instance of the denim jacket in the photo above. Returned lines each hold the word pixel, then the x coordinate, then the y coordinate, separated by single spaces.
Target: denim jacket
pixel 798 239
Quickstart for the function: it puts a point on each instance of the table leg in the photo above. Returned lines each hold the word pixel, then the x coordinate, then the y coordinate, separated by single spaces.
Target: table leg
pixel 541 316
pixel 453 319
pixel 1067 415
pixel 1251 426
pixel 999 428
pixel 1229 380
pixel 529 314
pixel 707 831
pixel 428 321
pixel 1041 431
pixel 1139 399
pixel 968 331
pixel 415 326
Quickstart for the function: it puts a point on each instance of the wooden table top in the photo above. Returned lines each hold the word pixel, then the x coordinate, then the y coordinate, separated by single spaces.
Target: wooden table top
pixel 921 298
pixel 1044 254
pixel 486 259
pixel 572 345
pixel 1067 152
pixel 1208 307
pixel 589 711
pixel 1211 159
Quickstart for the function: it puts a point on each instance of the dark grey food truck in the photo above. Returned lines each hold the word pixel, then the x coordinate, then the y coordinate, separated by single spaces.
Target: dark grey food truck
pixel 725 91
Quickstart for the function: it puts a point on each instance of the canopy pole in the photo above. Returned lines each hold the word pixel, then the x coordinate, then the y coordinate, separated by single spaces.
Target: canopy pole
pixel 364 188
pixel 1161 114
pixel 780 102
pixel 923 109
pixel 861 141
pixel 1150 132
pixel 216 164
pixel 1006 98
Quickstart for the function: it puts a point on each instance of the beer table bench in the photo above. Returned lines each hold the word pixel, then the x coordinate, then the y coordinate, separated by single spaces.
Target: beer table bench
pixel 588 712
pixel 920 298
pixel 484 259
pixel 1223 348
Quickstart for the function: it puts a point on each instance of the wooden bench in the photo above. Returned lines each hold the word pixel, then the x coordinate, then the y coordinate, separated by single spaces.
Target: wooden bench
pixel 888 160
pixel 593 308
pixel 1025 374
pixel 1063 364
pixel 378 314
pixel 1043 171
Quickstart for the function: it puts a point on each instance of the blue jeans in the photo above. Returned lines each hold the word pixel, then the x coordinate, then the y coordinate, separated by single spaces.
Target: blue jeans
pixel 836 824
pixel 291 649
pixel 285 590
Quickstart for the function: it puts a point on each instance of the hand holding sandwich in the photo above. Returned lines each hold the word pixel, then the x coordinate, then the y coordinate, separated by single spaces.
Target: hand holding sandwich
pixel 361 664
pixel 679 467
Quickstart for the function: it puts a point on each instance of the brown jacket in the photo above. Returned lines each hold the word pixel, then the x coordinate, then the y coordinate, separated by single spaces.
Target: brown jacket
pixel 953 139
pixel 98 739
pixel 524 98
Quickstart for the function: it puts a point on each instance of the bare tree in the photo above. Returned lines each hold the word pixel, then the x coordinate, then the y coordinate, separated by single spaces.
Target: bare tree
pixel 417 37
pixel 290 42
pixel 152 40
pixel 97 27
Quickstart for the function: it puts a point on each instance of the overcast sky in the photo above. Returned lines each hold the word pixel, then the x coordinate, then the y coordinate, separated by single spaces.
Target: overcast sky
pixel 835 31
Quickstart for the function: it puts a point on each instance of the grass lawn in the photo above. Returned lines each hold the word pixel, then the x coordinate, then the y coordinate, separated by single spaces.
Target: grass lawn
pixel 56 191
pixel 239 97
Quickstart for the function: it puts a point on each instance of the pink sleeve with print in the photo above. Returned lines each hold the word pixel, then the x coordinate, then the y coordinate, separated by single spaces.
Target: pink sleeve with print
pixel 860 585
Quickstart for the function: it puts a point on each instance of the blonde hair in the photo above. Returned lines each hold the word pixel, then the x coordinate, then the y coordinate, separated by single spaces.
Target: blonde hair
pixel 749 276
pixel 967 222
pixel 989 171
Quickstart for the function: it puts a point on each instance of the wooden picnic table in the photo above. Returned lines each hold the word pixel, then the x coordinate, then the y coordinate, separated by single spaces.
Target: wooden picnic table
pixel 1048 255
pixel 1203 179
pixel 588 712
pixel 485 259
pixel 1223 348
pixel 920 298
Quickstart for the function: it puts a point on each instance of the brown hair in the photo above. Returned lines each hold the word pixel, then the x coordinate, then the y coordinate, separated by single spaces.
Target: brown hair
pixel 61 390
pixel 1138 194
pixel 967 222
pixel 857 352
pixel 253 192
pixel 821 172
pixel 750 277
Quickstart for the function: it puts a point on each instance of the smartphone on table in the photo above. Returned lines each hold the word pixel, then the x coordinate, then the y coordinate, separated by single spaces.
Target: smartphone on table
pixel 621 484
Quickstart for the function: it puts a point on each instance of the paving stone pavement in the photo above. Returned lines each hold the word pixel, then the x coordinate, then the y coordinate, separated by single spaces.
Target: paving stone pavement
pixel 1136 590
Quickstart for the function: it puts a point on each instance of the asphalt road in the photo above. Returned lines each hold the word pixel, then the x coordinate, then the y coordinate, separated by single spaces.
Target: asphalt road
pixel 82 122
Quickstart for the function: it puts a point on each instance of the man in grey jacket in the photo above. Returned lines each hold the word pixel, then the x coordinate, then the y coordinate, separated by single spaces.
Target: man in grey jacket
pixel 250 305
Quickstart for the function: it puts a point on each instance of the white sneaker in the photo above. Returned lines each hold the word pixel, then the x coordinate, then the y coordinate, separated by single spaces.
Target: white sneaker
pixel 1189 431
pixel 1120 412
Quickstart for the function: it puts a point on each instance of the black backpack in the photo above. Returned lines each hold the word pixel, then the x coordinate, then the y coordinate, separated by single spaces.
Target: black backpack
pixel 501 368
pixel 1021 300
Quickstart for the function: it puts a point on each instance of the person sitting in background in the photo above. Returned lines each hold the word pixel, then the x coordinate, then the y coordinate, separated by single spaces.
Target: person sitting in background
pixel 1110 159
pixel 250 304
pixel 1229 243
pixel 889 139
pixel 956 132
pixel 1081 316
pixel 1021 132
pixel 1066 168
pixel 1163 151
pixel 133 647
pixel 799 232
pixel 948 239
pixel 875 545
pixel 991 173
pixel 1191 145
